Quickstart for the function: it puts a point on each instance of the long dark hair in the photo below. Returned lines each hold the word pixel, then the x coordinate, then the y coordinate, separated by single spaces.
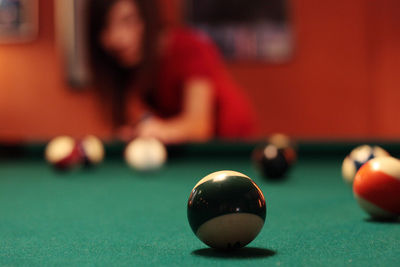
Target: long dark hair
pixel 111 79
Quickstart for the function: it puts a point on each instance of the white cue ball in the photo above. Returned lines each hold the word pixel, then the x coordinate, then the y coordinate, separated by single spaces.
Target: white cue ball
pixel 145 154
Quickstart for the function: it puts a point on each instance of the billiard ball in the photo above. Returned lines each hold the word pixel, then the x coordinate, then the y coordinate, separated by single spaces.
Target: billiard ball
pixel 376 187
pixel 226 210
pixel 63 153
pixel 286 144
pixel 145 154
pixel 271 161
pixel 358 157
pixel 92 150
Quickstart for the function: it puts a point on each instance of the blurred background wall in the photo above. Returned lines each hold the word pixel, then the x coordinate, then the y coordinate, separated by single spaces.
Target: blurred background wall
pixel 341 83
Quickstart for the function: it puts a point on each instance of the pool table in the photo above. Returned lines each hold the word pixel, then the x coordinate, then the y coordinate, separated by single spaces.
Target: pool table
pixel 111 215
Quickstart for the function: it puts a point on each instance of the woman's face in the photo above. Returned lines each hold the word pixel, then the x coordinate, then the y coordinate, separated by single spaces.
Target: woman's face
pixel 122 36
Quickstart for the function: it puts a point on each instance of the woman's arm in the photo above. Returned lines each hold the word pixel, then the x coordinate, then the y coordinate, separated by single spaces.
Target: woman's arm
pixel 194 124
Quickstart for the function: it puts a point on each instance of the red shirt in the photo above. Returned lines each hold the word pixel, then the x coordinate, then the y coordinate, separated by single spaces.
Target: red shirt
pixel 191 55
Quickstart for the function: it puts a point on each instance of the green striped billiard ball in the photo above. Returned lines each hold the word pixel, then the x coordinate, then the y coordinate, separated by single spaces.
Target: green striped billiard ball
pixel 226 210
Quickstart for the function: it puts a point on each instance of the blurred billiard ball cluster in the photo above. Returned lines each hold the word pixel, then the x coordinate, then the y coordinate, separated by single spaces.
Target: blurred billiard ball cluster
pixel 65 153
pixel 375 178
pixel 226 209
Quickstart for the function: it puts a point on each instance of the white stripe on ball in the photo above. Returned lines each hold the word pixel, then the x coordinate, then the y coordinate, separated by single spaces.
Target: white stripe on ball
pixel 227 230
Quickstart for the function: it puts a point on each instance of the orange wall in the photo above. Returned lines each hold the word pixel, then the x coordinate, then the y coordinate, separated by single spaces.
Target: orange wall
pixel 384 40
pixel 341 82
pixel 321 92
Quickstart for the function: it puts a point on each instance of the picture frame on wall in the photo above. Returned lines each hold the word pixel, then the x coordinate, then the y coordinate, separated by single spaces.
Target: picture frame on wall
pixel 71 41
pixel 19 21
pixel 243 30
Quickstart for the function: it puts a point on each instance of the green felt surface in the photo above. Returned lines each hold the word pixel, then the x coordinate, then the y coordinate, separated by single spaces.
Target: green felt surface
pixel 113 216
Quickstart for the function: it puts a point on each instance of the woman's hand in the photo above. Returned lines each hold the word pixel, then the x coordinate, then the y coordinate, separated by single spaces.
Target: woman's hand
pixel 165 131
pixel 194 124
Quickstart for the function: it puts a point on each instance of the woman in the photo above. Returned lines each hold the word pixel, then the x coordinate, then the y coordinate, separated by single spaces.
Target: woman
pixel 175 75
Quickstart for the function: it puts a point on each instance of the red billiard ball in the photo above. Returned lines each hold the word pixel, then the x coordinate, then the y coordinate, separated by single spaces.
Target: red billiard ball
pixel 377 187
pixel 63 153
